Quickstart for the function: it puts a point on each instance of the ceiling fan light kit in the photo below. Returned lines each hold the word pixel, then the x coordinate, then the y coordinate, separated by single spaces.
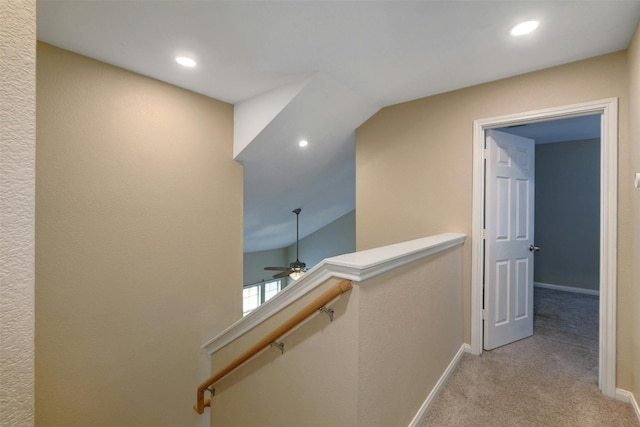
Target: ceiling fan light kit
pixel 296 268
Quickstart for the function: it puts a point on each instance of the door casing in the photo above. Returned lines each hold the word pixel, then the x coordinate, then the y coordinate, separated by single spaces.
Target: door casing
pixel 608 110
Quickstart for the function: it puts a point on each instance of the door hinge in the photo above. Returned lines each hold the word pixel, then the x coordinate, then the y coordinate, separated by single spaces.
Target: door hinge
pixel 485 233
pixel 485 314
pixel 484 153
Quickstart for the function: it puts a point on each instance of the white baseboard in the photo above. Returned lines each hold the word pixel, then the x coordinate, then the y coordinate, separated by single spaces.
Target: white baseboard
pixel 627 396
pixel 566 288
pixel 417 420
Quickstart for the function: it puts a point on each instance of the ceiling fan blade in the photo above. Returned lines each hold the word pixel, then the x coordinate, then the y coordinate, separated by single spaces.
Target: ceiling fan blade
pixel 281 275
pixel 277 268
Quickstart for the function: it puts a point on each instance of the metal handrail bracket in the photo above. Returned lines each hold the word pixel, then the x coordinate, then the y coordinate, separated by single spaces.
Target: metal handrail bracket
pixel 313 307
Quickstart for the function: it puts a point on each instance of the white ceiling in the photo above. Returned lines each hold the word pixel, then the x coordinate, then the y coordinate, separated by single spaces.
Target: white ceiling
pixel 318 69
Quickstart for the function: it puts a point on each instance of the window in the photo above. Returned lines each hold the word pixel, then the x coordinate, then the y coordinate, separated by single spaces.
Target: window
pixel 256 294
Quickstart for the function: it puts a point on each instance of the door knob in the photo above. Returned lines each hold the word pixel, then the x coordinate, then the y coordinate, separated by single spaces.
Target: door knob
pixel 533 248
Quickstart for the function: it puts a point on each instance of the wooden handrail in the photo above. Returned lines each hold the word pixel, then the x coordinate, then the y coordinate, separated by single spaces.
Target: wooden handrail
pixel 332 293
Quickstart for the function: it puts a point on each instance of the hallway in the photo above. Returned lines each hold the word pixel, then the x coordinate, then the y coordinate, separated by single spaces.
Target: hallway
pixel 549 379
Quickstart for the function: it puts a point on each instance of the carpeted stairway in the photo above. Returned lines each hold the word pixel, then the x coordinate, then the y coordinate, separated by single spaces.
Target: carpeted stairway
pixel 549 379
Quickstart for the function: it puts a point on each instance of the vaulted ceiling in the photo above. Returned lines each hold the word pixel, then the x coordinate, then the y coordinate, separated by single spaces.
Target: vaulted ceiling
pixel 316 70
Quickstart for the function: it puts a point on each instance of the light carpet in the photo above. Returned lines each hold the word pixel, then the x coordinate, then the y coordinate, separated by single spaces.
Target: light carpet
pixel 549 379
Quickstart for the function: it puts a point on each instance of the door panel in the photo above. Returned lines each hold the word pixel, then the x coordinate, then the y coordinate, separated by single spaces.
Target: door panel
pixel 508 298
pixel 521 300
pixel 502 292
pixel 502 203
pixel 522 213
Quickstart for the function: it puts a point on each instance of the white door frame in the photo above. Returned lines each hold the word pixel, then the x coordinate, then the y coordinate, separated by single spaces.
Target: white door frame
pixel 608 109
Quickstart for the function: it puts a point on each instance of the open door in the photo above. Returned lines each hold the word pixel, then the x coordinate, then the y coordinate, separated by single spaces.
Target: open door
pixel 509 248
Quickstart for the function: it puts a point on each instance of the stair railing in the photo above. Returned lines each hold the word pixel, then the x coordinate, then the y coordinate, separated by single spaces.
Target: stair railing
pixel 318 304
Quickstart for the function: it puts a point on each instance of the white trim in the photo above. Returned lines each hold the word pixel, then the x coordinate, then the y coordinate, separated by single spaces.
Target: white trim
pixel 566 288
pixel 357 266
pixel 419 417
pixel 627 396
pixel 608 108
pixel 608 247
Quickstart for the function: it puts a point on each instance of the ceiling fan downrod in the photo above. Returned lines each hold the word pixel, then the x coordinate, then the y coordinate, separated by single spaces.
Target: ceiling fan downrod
pixel 295 268
pixel 297 212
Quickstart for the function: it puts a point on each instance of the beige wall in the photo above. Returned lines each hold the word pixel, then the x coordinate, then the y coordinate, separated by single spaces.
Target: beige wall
pixel 138 243
pixel 634 160
pixel 414 165
pixel 313 383
pixel 17 209
pixel 410 330
pixel 399 330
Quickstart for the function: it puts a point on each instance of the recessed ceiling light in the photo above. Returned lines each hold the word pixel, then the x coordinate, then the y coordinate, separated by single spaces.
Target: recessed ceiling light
pixel 303 143
pixel 185 61
pixel 524 28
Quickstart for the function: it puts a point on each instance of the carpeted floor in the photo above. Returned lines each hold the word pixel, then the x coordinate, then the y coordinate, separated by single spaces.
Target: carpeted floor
pixel 549 379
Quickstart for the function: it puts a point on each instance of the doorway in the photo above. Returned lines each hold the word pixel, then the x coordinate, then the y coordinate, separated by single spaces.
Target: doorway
pixel 565 214
pixel 607 110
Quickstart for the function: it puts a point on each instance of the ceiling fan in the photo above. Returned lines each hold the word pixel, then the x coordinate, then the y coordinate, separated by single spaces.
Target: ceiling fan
pixel 297 267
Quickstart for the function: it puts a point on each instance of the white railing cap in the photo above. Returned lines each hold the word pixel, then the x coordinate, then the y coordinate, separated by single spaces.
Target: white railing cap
pixel 356 266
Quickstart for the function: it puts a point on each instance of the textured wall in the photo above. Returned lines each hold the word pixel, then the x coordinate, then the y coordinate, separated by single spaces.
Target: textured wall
pixel 138 243
pixel 414 165
pixel 410 330
pixel 396 331
pixel 17 197
pixel 634 160
pixel 312 384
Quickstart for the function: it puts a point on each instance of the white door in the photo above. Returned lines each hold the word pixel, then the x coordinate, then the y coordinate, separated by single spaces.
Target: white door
pixel 509 248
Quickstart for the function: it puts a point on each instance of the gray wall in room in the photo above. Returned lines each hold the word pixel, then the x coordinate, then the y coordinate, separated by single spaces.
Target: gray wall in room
pixel 567 213
pixel 255 262
pixel 336 238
